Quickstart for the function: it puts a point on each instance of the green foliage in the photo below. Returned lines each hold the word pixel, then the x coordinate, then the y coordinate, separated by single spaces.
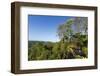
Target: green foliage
pixel 85 51
pixel 79 57
pixel 72 44
pixel 65 31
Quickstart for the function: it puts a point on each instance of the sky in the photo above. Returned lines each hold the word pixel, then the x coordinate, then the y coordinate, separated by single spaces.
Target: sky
pixel 44 28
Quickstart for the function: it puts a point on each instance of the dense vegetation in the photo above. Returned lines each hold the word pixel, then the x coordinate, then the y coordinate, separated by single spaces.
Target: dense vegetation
pixel 72 45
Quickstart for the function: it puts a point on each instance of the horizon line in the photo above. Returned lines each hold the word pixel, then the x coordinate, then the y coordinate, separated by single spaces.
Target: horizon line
pixel 44 41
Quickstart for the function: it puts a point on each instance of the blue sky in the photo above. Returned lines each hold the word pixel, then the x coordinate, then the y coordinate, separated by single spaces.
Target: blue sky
pixel 44 28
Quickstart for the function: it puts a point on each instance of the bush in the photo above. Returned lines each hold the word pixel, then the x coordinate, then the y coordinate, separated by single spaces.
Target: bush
pixel 85 51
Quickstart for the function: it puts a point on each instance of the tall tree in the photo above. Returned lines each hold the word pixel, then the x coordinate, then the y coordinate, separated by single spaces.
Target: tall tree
pixel 81 25
pixel 72 26
pixel 65 31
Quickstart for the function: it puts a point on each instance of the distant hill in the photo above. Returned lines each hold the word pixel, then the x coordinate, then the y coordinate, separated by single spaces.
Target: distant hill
pixel 30 43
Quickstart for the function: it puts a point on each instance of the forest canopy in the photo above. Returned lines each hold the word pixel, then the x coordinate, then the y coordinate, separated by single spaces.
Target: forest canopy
pixel 72 44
